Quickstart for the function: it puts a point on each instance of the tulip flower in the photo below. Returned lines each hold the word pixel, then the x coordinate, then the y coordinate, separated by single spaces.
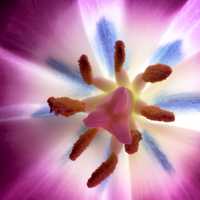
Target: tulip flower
pixel 99 100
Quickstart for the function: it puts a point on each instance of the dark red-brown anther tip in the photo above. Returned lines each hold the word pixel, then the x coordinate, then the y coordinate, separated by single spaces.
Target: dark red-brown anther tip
pixel 102 172
pixel 119 43
pixel 157 72
pixel 65 106
pixel 82 143
pixel 119 57
pixel 133 147
pixel 157 114
pixel 85 69
pixel 50 101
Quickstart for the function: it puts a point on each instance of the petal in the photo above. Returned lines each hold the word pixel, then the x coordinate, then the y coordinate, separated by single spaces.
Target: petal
pixel 51 32
pixel 160 168
pixel 185 106
pixel 169 54
pixel 181 39
pixel 18 141
pixel 24 111
pixel 183 102
pixel 184 79
pixel 185 27
pixel 102 28
pixel 45 172
pixel 24 34
pixel 153 148
pixel 147 22
pixel 25 82
pixel 119 184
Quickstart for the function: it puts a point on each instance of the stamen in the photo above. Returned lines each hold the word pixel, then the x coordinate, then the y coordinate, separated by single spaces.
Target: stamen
pixel 138 83
pixel 157 114
pixel 133 147
pixel 85 69
pixel 82 143
pixel 102 172
pixel 104 84
pixel 65 106
pixel 92 102
pixel 155 73
pixel 119 55
pixel 122 78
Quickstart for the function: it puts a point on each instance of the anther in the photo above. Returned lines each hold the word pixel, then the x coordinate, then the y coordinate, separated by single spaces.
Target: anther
pixel 157 72
pixel 65 106
pixel 82 143
pixel 157 114
pixel 119 57
pixel 85 69
pixel 133 147
pixel 102 172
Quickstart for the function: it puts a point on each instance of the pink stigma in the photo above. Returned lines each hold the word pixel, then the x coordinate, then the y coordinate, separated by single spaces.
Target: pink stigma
pixel 113 115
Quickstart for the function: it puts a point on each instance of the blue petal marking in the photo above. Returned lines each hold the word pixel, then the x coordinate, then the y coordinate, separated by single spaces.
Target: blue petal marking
pixel 69 73
pixel 169 54
pixel 179 102
pixel 44 111
pixel 154 148
pixel 105 40
pixel 64 69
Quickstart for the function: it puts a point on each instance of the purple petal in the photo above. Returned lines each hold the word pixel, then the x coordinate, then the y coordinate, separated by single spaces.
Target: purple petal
pixel 147 22
pixel 24 143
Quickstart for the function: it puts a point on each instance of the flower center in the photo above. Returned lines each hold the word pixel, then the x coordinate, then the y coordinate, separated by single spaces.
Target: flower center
pixel 113 110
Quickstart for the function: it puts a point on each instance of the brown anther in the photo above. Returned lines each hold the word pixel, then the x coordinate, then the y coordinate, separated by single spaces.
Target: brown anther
pixel 133 147
pixel 157 72
pixel 82 143
pixel 85 69
pixel 102 172
pixel 119 57
pixel 65 106
pixel 157 114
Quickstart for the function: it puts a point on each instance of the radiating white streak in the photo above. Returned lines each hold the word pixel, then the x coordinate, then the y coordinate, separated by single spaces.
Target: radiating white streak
pixel 188 120
pixel 119 185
